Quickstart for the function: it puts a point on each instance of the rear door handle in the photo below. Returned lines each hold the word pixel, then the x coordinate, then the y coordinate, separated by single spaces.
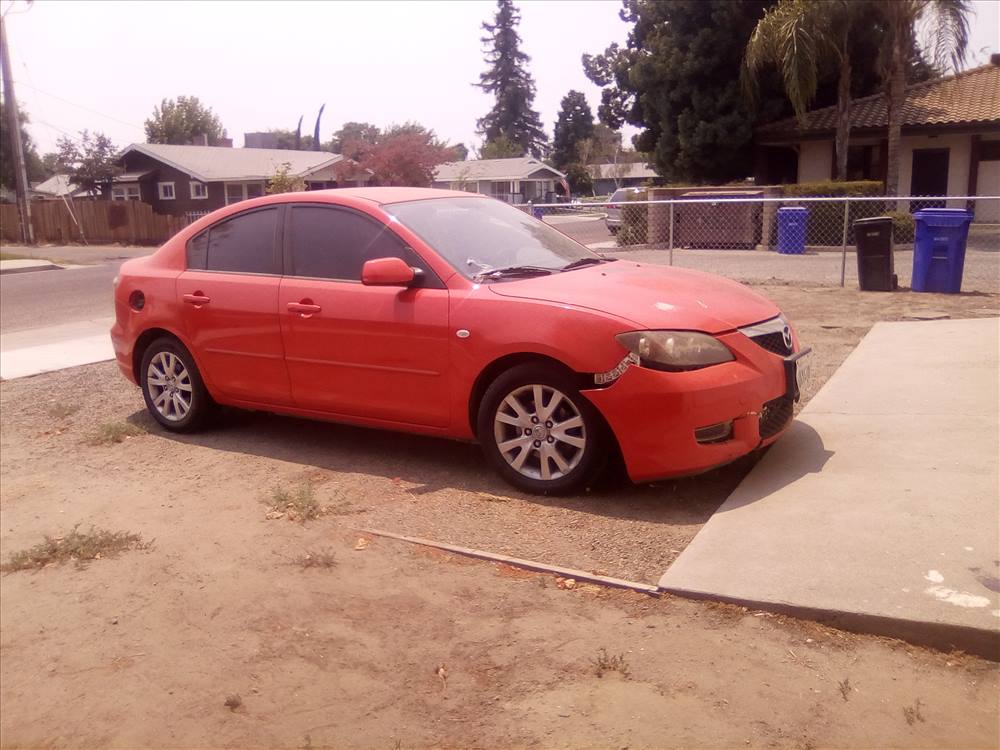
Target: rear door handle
pixel 303 309
pixel 196 299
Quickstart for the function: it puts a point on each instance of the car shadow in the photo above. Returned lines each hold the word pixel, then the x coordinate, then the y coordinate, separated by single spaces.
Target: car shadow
pixel 799 453
pixel 435 464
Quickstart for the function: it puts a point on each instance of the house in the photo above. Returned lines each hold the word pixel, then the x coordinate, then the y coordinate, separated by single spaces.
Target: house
pixel 950 141
pixel 518 180
pixel 607 178
pixel 58 186
pixel 178 180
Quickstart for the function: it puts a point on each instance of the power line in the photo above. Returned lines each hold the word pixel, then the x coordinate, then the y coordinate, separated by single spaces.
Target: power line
pixel 81 106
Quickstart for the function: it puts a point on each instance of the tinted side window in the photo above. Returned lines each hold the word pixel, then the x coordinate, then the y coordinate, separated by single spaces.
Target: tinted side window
pixel 331 243
pixel 243 244
pixel 197 252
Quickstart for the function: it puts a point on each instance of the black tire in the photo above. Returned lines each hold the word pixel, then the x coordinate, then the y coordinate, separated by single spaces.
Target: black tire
pixel 583 463
pixel 201 405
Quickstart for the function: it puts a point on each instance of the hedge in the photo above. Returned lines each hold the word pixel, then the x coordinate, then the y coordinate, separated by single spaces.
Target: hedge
pixel 826 219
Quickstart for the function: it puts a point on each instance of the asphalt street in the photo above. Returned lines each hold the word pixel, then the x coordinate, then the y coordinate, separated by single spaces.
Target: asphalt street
pixel 40 299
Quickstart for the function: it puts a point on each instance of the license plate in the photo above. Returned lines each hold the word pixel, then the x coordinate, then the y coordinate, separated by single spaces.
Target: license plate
pixel 796 374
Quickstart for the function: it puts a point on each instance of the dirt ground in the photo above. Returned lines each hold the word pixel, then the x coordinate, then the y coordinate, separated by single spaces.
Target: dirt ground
pixel 142 650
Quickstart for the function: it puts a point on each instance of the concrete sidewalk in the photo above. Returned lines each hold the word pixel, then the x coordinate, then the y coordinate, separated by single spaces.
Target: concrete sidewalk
pixel 26 265
pixel 879 510
pixel 39 350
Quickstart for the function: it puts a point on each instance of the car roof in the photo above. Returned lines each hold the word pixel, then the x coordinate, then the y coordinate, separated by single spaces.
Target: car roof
pixel 386 195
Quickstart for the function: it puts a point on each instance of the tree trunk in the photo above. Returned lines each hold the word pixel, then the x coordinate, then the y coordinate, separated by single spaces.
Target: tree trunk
pixel 843 115
pixel 896 95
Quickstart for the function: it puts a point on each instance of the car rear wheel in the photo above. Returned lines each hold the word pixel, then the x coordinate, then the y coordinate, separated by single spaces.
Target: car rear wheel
pixel 172 387
pixel 539 432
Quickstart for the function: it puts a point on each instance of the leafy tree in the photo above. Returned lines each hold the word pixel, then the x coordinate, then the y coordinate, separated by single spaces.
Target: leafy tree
pixel 401 155
pixel 354 132
pixel 33 166
pixel 799 38
pixel 91 162
pixel 508 79
pixel 579 178
pixel 50 164
pixel 575 123
pixel 179 121
pixel 946 23
pixel 500 147
pixel 677 78
pixel 459 152
pixel 286 140
pixel 602 147
pixel 284 182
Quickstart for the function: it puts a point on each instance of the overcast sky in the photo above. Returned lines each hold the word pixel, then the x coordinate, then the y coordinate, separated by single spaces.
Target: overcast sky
pixel 259 65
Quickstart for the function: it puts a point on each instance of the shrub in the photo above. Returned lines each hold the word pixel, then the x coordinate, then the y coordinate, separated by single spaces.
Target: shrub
pixel 904 227
pixel 826 219
pixel 633 230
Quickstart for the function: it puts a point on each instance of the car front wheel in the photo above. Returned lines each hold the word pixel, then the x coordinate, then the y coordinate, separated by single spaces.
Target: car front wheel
pixel 539 432
pixel 172 387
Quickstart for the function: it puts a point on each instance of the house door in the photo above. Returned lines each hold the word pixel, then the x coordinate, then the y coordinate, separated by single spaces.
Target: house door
pixel 929 176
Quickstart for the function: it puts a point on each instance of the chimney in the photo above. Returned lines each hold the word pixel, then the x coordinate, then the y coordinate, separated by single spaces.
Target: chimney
pixel 995 58
pixel 199 140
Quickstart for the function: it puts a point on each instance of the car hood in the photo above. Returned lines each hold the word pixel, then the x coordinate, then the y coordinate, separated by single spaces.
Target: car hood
pixel 649 295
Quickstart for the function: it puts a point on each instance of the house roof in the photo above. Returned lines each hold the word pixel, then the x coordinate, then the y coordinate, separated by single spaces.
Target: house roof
pixel 217 163
pixel 518 168
pixel 57 185
pixel 636 170
pixel 970 97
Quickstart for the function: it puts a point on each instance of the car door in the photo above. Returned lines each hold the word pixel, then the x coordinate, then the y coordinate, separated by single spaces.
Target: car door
pixel 229 301
pixel 361 351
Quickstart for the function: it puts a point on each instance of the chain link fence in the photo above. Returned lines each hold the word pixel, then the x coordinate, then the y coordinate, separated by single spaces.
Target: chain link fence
pixel 807 240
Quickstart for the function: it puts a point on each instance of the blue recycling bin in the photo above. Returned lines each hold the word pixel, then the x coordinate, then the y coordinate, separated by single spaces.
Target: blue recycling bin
pixel 792 224
pixel 939 249
pixel 536 211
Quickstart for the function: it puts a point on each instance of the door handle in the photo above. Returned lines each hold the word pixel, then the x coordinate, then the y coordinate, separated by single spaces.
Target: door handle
pixel 196 299
pixel 303 309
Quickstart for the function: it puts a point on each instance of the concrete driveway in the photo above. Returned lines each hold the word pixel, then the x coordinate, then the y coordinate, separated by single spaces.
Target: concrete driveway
pixel 879 510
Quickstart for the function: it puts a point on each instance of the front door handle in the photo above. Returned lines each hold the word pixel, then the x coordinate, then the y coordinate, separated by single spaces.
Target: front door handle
pixel 196 299
pixel 303 308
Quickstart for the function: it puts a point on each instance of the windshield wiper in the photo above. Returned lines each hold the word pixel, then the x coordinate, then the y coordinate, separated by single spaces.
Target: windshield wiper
pixel 586 262
pixel 498 273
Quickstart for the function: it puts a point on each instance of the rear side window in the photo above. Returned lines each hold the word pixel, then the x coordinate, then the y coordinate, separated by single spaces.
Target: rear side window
pixel 242 244
pixel 334 243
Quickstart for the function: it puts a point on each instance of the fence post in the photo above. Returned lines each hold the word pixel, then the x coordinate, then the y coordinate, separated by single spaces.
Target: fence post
pixel 671 237
pixel 843 249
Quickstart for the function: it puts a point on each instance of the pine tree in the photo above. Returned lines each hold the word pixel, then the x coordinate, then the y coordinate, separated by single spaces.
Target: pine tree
pixel 574 124
pixel 509 81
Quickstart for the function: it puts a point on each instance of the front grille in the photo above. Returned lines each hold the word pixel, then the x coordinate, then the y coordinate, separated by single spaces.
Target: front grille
pixel 773 342
pixel 774 416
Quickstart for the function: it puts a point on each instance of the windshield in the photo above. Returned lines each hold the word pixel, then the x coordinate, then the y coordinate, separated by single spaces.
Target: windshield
pixel 479 235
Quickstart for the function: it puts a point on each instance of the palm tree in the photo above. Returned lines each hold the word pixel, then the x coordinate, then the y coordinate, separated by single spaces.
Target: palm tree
pixel 945 27
pixel 799 37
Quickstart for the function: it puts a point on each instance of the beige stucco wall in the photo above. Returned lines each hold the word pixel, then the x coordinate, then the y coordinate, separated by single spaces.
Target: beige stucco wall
pixel 815 160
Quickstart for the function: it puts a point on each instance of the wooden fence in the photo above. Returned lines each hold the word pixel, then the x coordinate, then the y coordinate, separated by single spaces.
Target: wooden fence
pixel 93 222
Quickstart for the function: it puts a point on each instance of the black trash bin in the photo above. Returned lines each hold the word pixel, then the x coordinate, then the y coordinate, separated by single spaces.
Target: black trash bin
pixel 876 269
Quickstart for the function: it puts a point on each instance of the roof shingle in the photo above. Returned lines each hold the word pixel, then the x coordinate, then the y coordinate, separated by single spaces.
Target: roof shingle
pixel 969 97
pixel 518 168
pixel 213 163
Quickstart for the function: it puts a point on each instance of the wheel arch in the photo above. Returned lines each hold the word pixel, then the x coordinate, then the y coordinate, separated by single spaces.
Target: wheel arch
pixel 147 337
pixel 493 370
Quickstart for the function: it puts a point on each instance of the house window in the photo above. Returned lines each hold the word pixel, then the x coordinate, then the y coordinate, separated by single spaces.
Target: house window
pixel 199 190
pixel 125 193
pixel 166 191
pixel 241 191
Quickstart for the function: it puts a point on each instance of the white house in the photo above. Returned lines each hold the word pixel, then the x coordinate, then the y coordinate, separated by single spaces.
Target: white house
pixel 518 180
pixel 950 141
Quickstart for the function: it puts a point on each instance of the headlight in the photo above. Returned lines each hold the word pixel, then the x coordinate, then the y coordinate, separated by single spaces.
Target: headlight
pixel 675 350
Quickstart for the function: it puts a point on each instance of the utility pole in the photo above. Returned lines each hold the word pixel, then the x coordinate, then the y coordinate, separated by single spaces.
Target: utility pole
pixel 14 126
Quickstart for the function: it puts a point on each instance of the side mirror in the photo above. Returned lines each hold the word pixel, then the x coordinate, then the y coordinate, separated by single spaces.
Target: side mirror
pixel 386 272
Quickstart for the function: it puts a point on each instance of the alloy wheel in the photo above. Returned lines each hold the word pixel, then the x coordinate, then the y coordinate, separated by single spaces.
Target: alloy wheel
pixel 540 432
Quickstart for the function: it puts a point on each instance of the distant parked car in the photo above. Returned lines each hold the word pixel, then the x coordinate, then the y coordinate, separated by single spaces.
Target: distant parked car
pixel 450 314
pixel 613 220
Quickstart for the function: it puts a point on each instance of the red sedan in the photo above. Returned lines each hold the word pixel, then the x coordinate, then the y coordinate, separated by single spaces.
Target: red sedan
pixel 452 314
